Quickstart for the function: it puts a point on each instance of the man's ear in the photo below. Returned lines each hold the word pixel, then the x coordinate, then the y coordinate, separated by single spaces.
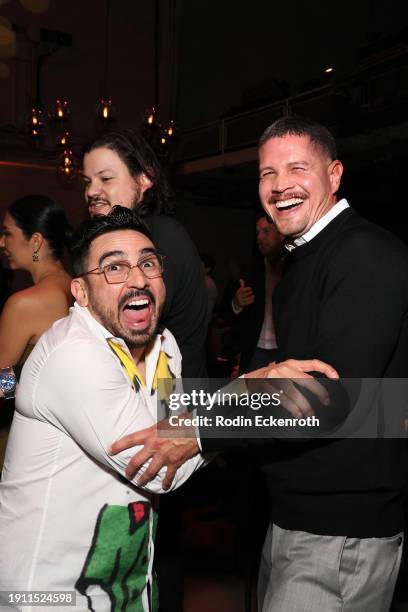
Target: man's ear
pixel 144 182
pixel 335 171
pixel 79 290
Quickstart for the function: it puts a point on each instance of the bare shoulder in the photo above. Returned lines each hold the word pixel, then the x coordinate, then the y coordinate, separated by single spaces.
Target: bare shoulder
pixel 45 294
pixel 19 300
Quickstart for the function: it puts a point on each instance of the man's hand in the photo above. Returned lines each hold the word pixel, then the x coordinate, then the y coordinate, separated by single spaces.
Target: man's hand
pixel 169 452
pixel 291 398
pixel 243 296
pixel 173 452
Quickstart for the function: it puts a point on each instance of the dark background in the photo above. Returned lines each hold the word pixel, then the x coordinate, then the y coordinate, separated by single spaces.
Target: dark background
pixel 222 71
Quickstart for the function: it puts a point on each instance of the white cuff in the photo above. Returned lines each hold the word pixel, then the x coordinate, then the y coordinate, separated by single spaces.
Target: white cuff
pixel 236 310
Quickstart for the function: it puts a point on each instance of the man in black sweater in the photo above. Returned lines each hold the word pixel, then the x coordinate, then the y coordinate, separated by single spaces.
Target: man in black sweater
pixel 343 299
pixel 336 533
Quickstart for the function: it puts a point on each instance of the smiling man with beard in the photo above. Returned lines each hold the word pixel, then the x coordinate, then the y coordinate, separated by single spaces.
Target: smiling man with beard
pixel 120 167
pixel 69 518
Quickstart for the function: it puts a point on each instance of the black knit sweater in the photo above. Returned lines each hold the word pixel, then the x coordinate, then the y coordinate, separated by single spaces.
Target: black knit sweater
pixel 343 299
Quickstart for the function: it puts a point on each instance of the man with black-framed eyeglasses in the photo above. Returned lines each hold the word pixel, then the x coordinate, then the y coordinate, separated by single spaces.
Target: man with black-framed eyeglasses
pixel 69 519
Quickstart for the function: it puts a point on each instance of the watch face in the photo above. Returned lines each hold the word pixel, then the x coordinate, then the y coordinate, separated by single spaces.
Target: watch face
pixel 7 382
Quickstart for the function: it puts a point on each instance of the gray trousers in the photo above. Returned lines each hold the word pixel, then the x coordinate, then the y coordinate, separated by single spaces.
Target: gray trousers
pixel 303 572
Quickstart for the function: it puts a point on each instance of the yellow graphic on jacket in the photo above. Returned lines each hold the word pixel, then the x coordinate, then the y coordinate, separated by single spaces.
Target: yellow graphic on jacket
pixel 128 364
pixel 163 380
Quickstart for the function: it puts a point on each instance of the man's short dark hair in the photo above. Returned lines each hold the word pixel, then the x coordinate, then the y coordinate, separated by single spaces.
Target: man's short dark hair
pixel 119 218
pixel 301 126
pixel 139 157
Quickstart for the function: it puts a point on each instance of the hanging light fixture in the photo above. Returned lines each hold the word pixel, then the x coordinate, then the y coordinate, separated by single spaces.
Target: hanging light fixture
pixel 61 112
pixel 170 129
pixel 67 168
pixel 35 123
pixel 63 139
pixel 61 115
pixel 150 116
pixel 105 111
pixel 166 138
pixel 67 161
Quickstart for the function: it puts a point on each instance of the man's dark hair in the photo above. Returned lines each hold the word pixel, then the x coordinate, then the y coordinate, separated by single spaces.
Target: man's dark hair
pixel 139 157
pixel 301 126
pixel 39 213
pixel 119 218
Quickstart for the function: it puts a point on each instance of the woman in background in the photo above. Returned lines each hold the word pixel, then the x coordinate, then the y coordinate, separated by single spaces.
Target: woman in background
pixel 35 231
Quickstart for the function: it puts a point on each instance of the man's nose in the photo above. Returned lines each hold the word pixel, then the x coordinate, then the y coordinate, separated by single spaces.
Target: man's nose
pixel 136 278
pixel 93 189
pixel 2 242
pixel 282 182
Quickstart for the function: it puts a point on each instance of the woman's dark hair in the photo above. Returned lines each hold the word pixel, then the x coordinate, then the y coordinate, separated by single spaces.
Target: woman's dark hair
pixel 119 218
pixel 38 213
pixel 139 157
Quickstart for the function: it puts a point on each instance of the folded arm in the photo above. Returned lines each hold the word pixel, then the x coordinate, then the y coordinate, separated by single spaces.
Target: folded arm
pixel 84 393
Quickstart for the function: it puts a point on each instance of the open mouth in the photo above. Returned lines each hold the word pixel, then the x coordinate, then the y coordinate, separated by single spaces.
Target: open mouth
pixel 289 204
pixel 96 206
pixel 138 312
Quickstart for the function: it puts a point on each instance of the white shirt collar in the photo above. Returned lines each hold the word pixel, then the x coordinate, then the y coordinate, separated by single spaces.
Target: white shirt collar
pixel 319 225
pixel 151 355
pixel 97 327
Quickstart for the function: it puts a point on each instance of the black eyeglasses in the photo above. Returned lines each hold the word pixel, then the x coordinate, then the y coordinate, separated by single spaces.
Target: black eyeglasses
pixel 118 271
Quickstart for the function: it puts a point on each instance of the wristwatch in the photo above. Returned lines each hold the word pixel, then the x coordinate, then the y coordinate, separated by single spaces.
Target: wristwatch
pixel 8 382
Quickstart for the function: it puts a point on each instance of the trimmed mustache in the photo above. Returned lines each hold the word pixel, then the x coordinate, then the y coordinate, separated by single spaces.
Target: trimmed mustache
pixel 279 196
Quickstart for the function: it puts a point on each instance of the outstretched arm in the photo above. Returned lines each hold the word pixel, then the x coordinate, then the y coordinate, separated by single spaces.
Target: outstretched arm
pixel 171 453
pixel 82 391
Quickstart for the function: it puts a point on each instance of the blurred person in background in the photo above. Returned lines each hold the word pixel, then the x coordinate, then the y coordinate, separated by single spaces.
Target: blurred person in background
pixel 247 305
pixel 210 286
pixel 35 230
pixel 120 167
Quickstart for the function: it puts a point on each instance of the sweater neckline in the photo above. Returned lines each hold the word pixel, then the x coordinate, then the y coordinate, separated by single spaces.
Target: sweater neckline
pixel 325 235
